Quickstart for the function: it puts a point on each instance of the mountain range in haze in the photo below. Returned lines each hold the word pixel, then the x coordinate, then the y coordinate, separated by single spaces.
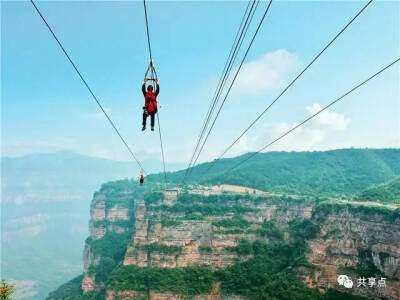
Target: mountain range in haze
pixel 64 175
pixel 45 200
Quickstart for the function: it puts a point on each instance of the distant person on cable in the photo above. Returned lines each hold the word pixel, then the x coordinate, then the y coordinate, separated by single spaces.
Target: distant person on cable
pixel 150 106
pixel 141 177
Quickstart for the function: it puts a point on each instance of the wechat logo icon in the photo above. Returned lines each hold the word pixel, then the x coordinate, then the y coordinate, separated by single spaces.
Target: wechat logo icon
pixel 345 281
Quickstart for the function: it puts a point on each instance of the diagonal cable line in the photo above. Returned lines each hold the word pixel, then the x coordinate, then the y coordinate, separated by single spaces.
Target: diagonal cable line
pixel 161 145
pixel 87 85
pixel 220 79
pixel 289 85
pixel 231 62
pixel 317 113
pixel 233 81
pixel 237 51
pixel 162 148
pixel 226 76
pixel 147 30
pixel 154 75
pixel 160 136
pixel 231 57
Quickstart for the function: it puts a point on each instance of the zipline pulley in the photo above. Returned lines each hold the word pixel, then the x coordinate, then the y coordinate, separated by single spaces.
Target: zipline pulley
pixel 153 74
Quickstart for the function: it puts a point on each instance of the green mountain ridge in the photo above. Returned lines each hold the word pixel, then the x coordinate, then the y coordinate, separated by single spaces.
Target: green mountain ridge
pixel 388 192
pixel 343 171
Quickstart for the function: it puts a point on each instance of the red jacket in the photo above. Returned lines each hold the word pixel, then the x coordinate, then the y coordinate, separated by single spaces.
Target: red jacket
pixel 150 99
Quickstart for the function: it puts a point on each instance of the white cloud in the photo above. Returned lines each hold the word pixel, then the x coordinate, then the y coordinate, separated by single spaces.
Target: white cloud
pixel 393 142
pixel 247 143
pixel 328 119
pixel 267 73
pixel 242 146
pixel 307 137
pixel 311 135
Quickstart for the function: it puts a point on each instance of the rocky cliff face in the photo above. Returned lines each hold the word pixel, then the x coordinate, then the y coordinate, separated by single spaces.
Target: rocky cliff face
pixel 187 238
pixel 351 241
pixel 111 212
pixel 200 242
pixel 164 232
pixel 166 237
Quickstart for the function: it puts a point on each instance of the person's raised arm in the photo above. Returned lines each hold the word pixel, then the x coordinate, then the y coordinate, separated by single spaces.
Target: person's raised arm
pixel 144 87
pixel 157 87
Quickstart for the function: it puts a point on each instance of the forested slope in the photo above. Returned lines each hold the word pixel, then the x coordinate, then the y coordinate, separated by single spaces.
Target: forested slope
pixel 343 171
pixel 386 193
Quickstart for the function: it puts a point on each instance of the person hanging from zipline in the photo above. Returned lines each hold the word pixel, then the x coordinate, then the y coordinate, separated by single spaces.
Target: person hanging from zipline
pixel 141 177
pixel 150 106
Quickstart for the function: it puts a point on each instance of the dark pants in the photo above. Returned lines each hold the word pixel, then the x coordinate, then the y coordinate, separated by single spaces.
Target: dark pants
pixel 145 115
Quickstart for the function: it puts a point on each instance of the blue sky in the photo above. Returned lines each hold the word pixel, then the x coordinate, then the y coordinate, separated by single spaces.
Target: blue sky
pixel 46 108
